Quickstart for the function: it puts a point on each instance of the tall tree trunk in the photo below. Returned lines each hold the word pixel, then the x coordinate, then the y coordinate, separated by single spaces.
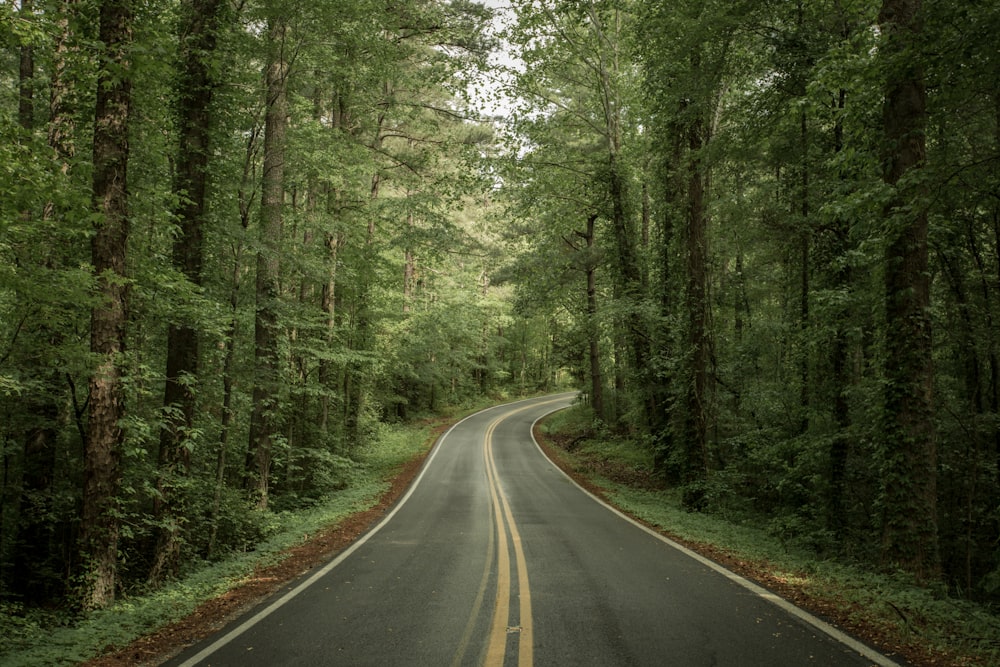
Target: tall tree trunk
pixel 964 331
pixel 355 374
pixel 674 188
pixel 229 360
pixel 26 81
pixel 328 305
pixel 99 524
pixel 39 440
pixel 696 305
pixel 39 536
pixel 593 332
pixel 195 88
pixel 61 122
pixel 804 276
pixel 909 522
pixel 328 298
pixel 263 420
pixel 409 269
pixel 991 316
pixel 623 224
pixel 628 264
pixel 838 351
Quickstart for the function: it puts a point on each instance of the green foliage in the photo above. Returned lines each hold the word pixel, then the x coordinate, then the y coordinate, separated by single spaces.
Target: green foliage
pixel 427 260
pixel 37 637
pixel 384 303
pixel 778 110
pixel 890 602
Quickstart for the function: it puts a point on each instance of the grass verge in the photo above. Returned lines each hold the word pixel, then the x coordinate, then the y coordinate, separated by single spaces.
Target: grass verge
pixel 49 638
pixel 909 623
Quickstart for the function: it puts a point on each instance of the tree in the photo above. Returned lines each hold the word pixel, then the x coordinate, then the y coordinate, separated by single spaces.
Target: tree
pixel 909 522
pixel 175 288
pixel 963 144
pixel 578 124
pixel 266 393
pixel 26 76
pixel 194 89
pixel 99 524
pixel 686 53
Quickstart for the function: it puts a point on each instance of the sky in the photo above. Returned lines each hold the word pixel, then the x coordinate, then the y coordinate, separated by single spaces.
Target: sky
pixel 488 94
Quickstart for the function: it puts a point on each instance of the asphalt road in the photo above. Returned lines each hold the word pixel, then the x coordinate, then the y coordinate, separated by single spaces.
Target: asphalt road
pixel 564 581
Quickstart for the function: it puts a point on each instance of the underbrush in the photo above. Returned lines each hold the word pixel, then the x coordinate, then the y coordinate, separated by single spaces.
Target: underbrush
pixel 889 607
pixel 43 637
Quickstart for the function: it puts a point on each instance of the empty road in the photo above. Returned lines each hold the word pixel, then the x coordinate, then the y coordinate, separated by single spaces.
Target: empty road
pixel 494 557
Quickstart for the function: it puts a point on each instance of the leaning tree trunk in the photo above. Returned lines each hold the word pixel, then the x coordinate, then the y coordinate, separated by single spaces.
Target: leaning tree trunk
pixel 909 521
pixel 99 525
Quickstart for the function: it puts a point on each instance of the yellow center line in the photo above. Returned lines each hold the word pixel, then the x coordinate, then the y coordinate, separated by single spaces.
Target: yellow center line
pixel 497 646
pixel 525 646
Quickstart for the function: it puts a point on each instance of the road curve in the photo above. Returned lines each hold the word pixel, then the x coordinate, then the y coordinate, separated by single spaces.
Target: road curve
pixel 494 557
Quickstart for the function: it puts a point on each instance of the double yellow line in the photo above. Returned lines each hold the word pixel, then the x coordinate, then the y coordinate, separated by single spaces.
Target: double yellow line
pixel 497 647
pixel 498 543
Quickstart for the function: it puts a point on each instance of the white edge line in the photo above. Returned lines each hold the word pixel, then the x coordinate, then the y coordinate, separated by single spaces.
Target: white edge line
pixel 277 604
pixel 821 625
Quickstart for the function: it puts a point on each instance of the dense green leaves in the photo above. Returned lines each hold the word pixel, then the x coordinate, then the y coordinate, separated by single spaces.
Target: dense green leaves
pixel 767 181
pixel 376 293
pixel 690 209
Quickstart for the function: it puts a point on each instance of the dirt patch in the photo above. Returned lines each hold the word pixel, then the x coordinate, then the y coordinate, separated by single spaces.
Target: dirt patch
pixel 214 614
pixel 847 616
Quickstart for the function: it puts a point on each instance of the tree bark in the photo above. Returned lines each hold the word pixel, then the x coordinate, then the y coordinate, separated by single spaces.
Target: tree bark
pixel 804 276
pixel 263 420
pixel 26 79
pixel 328 303
pixel 994 362
pixel 355 374
pixel 696 305
pixel 44 405
pixel 631 276
pixel 195 88
pixel 99 524
pixel 674 190
pixel 593 333
pixel 839 362
pixel 623 224
pixel 409 270
pixel 333 241
pixel 909 522
pixel 61 122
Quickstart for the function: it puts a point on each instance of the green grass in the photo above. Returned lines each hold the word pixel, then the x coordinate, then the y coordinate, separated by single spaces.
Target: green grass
pixel 893 604
pixel 960 631
pixel 46 638
pixel 30 637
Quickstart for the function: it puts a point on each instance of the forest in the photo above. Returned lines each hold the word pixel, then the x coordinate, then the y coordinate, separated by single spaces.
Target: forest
pixel 239 237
